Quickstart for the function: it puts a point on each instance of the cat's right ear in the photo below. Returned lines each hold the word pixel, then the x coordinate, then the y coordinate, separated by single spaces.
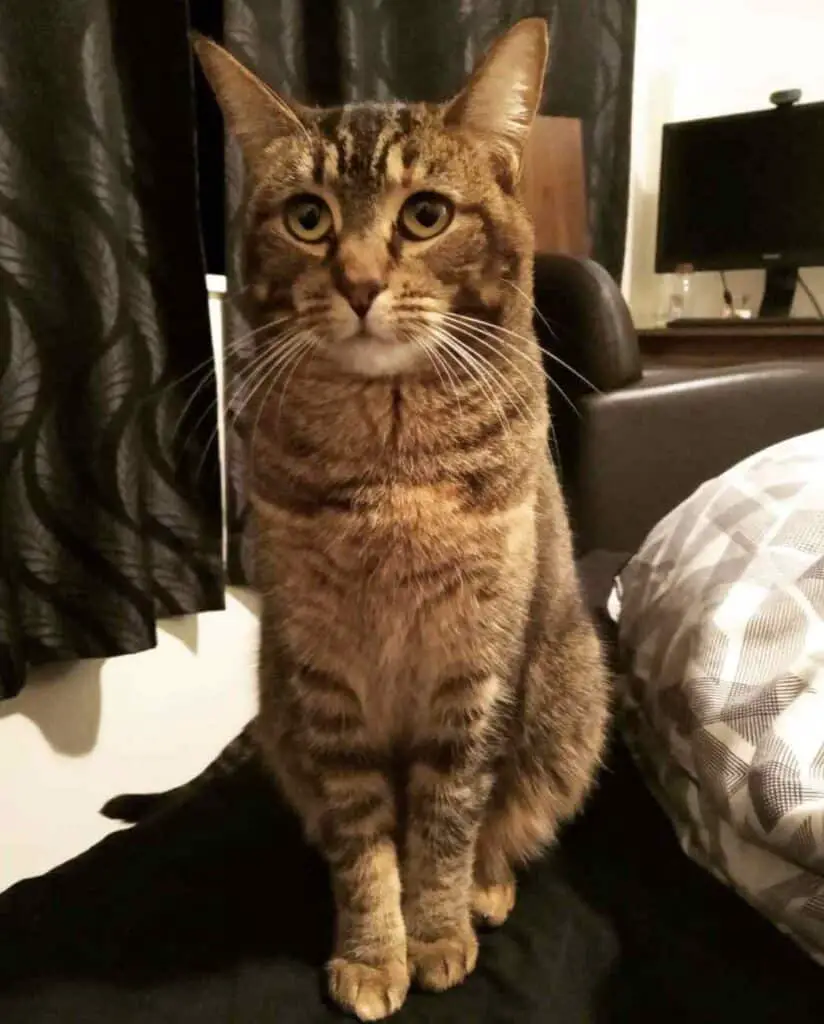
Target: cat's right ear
pixel 254 113
pixel 501 98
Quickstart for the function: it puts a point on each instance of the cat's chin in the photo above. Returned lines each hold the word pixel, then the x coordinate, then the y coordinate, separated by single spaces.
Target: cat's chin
pixel 373 357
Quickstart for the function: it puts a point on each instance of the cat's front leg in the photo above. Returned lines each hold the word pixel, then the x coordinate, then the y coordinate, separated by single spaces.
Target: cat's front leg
pixel 348 804
pixel 368 973
pixel 447 793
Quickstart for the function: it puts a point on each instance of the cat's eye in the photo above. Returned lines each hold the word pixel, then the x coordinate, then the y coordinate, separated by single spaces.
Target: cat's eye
pixel 425 215
pixel 308 218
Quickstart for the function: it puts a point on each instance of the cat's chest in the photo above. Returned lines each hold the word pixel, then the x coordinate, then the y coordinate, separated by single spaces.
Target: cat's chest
pixel 400 592
pixel 408 534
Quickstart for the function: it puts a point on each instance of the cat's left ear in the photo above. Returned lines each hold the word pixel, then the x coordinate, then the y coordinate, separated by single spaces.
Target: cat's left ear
pixel 502 96
pixel 254 112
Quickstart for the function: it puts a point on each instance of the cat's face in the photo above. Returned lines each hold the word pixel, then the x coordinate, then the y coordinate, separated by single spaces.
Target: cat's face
pixel 372 229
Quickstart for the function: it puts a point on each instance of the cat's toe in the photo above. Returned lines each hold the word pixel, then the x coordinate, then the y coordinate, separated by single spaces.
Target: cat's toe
pixel 444 962
pixel 369 992
pixel 492 904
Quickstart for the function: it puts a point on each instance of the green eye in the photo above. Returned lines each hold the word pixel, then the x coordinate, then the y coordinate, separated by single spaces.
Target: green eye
pixel 425 215
pixel 308 218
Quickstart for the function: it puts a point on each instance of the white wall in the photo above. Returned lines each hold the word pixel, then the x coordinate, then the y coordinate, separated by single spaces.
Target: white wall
pixel 704 58
pixel 82 732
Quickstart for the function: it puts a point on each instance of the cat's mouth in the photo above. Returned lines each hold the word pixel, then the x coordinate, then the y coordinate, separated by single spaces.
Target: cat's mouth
pixel 363 332
pixel 366 333
pixel 372 354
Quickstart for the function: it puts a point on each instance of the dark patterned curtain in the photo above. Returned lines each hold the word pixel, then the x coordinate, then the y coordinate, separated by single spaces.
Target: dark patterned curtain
pixel 109 485
pixel 332 51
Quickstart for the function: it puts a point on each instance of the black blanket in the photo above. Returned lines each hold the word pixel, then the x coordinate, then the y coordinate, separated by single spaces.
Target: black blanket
pixel 217 913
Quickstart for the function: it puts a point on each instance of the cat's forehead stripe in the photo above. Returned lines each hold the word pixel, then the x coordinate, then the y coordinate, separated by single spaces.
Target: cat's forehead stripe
pixel 344 143
pixel 398 170
pixel 368 143
pixel 388 135
pixel 331 163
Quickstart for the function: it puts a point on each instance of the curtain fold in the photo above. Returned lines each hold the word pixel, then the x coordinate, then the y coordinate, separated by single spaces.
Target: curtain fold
pixel 110 511
pixel 334 51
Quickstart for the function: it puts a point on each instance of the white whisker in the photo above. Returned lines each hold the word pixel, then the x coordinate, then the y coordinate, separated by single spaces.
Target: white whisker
pixel 436 360
pixel 551 425
pixel 253 374
pixel 474 369
pixel 533 306
pixel 212 404
pixel 307 346
pixel 469 333
pixel 249 375
pixel 521 337
pixel 488 337
pixel 280 357
pixel 552 355
pixel 303 345
pixel 274 322
pixel 448 382
pixel 207 367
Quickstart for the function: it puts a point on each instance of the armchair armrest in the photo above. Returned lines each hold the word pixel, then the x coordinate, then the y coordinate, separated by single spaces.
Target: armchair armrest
pixel 643 449
pixel 583 319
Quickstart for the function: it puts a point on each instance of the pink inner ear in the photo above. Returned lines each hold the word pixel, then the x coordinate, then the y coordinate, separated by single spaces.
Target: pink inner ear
pixel 502 95
pixel 254 112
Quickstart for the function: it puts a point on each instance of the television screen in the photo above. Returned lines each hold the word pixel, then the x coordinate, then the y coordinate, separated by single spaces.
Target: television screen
pixel 743 191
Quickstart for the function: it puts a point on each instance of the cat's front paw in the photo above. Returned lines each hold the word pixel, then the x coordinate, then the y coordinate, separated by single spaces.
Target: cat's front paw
pixel 369 992
pixel 492 904
pixel 443 962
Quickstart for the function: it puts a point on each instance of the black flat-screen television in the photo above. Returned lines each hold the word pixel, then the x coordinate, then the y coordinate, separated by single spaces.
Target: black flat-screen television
pixel 744 191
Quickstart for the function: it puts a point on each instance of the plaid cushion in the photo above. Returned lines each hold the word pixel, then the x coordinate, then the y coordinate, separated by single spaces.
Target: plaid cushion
pixel 721 632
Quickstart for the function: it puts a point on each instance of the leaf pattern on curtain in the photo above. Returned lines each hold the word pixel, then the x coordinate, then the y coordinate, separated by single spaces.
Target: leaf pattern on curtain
pixel 337 51
pixel 109 489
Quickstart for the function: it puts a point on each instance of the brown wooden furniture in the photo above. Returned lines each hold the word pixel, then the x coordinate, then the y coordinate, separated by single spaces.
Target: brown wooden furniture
pixel 684 346
pixel 555 186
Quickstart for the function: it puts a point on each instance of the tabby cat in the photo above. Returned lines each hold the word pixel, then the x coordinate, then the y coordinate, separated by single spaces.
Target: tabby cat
pixel 432 696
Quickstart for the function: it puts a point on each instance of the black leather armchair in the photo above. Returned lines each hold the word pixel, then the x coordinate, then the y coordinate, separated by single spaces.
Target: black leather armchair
pixel 634 441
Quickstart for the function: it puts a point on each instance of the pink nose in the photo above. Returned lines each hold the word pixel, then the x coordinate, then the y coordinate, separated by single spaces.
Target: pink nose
pixel 360 295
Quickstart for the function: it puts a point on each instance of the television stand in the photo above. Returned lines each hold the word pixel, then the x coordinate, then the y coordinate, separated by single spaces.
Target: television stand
pixel 740 323
pixel 779 291
pixel 713 343
pixel 773 314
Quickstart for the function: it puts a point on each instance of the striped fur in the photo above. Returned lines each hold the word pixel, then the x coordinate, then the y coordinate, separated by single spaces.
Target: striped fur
pixel 432 697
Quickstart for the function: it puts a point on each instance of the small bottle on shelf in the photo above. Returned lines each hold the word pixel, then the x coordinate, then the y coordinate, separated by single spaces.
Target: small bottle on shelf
pixel 680 297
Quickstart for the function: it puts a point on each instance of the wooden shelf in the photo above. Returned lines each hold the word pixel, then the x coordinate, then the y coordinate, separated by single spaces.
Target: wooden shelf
pixel 718 346
pixel 731 333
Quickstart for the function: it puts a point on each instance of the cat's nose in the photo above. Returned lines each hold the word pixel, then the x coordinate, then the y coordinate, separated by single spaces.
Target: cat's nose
pixel 361 294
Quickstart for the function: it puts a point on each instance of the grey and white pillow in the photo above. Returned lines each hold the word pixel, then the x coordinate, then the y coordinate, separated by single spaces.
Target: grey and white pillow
pixel 721 628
